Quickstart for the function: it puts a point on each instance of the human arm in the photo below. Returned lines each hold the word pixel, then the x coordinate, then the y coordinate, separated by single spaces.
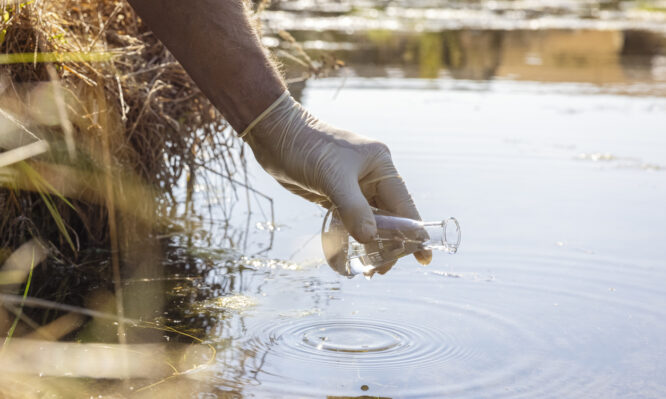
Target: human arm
pixel 217 45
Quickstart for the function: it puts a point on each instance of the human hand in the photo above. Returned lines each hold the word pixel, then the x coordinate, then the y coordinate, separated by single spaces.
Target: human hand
pixel 331 167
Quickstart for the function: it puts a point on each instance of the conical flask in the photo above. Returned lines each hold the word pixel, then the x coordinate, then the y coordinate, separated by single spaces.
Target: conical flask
pixel 396 237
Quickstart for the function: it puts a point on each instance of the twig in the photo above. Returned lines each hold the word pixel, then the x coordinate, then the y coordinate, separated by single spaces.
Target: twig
pixel 110 18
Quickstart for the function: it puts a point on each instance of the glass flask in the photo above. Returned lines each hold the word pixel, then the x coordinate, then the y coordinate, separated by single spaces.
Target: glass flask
pixel 396 237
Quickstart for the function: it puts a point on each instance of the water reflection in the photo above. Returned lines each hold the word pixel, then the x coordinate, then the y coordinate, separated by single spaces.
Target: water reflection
pixel 555 55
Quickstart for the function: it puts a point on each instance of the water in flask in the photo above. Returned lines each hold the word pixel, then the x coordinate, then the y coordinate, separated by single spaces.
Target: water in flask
pixel 396 237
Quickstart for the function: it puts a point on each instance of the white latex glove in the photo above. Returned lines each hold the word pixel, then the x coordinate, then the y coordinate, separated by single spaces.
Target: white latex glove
pixel 330 167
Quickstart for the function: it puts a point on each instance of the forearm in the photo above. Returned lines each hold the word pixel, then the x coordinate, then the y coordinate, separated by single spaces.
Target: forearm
pixel 216 44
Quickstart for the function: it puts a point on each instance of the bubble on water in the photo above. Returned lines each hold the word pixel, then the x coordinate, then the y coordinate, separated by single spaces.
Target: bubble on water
pixel 266 226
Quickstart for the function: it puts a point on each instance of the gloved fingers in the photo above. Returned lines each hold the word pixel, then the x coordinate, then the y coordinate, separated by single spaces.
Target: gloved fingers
pixel 392 193
pixel 383 269
pixel 369 191
pixel 354 210
pixel 423 256
pixel 393 196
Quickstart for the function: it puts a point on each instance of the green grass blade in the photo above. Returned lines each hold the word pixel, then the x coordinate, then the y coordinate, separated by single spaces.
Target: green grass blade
pixel 44 189
pixel 10 333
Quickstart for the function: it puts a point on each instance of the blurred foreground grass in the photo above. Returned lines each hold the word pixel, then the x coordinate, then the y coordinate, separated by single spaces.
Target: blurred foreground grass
pixel 98 125
pixel 104 140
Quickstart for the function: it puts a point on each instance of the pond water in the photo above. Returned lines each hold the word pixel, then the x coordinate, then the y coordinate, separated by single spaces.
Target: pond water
pixel 557 289
pixel 549 147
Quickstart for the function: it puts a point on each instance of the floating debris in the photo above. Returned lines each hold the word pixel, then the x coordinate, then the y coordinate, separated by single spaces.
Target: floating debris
pixel 233 302
pixel 266 226
pixel 279 264
pixel 596 157
pixel 263 263
pixel 447 274
pixel 621 162
pixel 298 313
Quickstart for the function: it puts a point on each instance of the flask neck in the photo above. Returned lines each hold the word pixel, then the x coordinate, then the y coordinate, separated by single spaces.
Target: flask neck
pixel 442 236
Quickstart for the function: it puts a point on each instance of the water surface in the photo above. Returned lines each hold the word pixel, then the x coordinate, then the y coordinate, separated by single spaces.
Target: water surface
pixel 541 128
pixel 557 289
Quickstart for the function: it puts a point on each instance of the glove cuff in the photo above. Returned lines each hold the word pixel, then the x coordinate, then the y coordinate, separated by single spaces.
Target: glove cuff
pixel 263 114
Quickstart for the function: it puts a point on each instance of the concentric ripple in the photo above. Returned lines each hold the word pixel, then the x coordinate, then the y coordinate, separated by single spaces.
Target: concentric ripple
pixel 419 336
pixel 364 343
pixel 436 337
pixel 352 337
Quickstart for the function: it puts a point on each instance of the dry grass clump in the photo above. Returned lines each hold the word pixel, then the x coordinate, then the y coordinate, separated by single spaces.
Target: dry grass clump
pixel 98 125
pixel 118 119
pixel 100 128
